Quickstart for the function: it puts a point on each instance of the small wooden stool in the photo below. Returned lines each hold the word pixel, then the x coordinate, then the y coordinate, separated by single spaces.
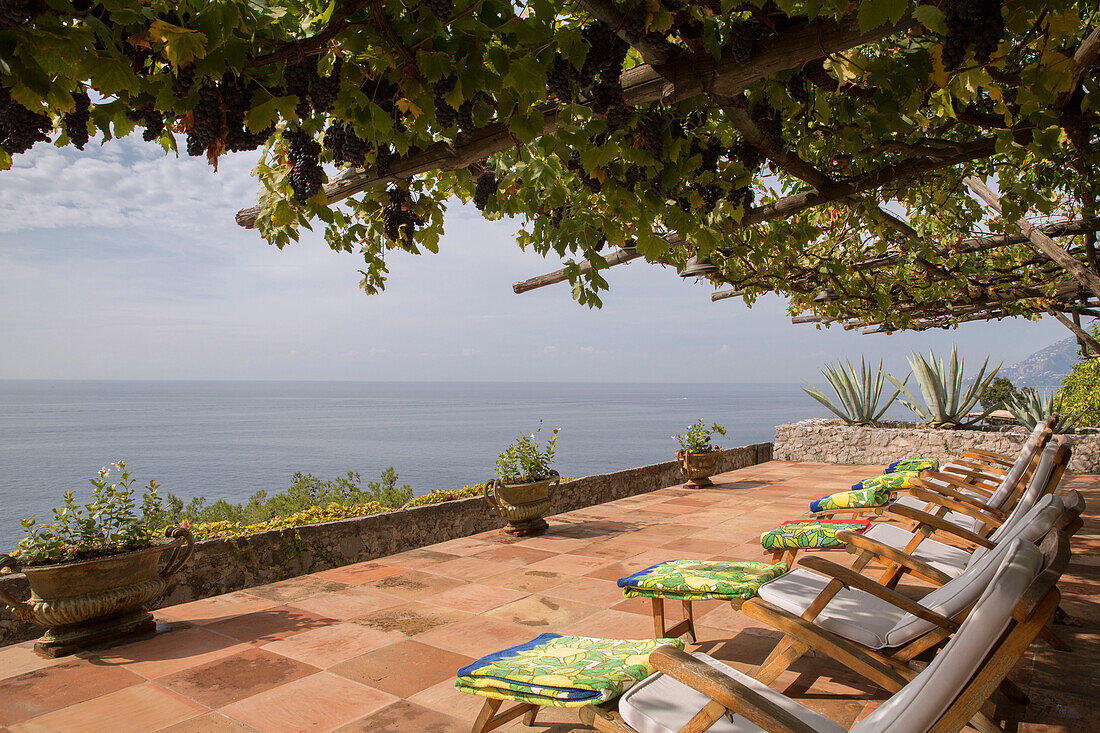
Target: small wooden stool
pixel 687 624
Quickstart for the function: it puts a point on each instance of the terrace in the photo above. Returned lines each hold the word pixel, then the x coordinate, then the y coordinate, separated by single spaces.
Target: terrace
pixel 374 646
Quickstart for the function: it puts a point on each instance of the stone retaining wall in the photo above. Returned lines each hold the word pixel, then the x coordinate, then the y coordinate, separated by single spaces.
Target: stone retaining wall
pixel 831 441
pixel 222 566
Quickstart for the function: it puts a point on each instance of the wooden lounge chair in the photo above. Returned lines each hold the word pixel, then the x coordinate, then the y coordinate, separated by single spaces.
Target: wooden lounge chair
pixel 976 487
pixel 963 518
pixel 873 629
pixel 694 693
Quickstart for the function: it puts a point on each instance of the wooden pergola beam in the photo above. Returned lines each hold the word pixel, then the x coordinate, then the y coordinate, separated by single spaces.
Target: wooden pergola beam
pixel 1044 243
pixel 540 281
pixel 686 76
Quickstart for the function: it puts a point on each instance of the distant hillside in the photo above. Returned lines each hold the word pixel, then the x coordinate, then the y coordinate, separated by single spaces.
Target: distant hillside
pixel 1044 369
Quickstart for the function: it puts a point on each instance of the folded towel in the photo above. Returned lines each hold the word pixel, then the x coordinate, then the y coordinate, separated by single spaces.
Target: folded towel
pixel 913 464
pixel 891 481
pixel 800 534
pixel 562 671
pixel 698 580
pixel 851 500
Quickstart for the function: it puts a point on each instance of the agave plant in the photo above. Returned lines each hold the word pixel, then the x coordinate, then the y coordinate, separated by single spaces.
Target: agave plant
pixel 858 394
pixel 1029 408
pixel 946 403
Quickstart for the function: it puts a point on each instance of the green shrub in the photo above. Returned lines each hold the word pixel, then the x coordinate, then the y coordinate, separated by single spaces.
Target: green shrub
pixel 1081 391
pixel 523 461
pixel 305 492
pixel 110 523
pixel 998 393
pixel 698 437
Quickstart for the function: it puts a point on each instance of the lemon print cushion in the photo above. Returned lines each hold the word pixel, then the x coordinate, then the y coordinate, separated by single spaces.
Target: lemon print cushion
pixel 699 580
pixel 562 671
pixel 801 534
pixel 897 481
pixel 913 464
pixel 855 499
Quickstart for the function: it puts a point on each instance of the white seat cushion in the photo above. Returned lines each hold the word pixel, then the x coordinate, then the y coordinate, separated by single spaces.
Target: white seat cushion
pixel 853 614
pixel 947 559
pixel 660 704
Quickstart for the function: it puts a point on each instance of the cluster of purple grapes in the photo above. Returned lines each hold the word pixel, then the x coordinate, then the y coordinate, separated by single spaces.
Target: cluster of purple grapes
pixel 314 92
pixel 183 80
pixel 399 221
pixel 75 123
pixel 16 12
pixel 306 176
pixel 977 23
pixel 236 94
pixel 441 9
pixel 207 116
pixel 152 120
pixel 598 77
pixel 574 164
pixel 743 37
pixel 344 145
pixel 769 121
pixel 486 187
pixel 20 128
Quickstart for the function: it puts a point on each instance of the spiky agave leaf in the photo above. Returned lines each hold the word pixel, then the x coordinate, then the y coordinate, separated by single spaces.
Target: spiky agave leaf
pixel 1029 408
pixel 945 404
pixel 858 395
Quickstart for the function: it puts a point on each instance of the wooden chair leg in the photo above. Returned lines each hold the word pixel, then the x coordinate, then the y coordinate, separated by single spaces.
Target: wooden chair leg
pixel 689 616
pixel 489 719
pixel 658 605
pixel 488 710
pixel 783 656
pixel 661 631
pixel 1055 641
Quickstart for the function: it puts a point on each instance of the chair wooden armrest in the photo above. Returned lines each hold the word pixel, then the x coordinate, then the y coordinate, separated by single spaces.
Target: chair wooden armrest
pixel 940 525
pixel 986 456
pixel 844 651
pixel 859 582
pixel 981 482
pixel 982 469
pixel 958 496
pixel 732 694
pixel 934 497
pixel 855 541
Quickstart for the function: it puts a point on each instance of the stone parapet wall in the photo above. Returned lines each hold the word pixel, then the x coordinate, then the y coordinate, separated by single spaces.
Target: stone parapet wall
pixel 831 441
pixel 225 565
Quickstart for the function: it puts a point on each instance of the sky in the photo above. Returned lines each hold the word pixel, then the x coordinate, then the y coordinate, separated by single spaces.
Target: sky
pixel 122 263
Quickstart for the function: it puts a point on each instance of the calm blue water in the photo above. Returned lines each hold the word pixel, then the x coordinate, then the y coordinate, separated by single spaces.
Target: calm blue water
pixel 229 439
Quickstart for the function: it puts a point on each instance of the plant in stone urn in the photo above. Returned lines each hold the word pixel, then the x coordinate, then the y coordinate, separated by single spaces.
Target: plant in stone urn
pixel 520 493
pixel 93 570
pixel 697 457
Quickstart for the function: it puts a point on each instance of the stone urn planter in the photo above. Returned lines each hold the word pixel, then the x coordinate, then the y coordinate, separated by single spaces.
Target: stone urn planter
pixel 522 505
pixel 697 468
pixel 100 601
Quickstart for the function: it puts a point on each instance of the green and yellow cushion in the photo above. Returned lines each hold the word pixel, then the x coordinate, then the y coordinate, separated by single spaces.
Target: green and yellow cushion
pixel 855 499
pixel 700 580
pixel 561 671
pixel 890 481
pixel 913 465
pixel 802 534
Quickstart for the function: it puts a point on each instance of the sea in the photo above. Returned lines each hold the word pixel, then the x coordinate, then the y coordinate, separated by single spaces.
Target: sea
pixel 226 440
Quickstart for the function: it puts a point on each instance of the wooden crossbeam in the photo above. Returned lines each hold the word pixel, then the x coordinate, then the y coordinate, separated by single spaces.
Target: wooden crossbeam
pixel 1044 243
pixel 682 78
pixel 540 281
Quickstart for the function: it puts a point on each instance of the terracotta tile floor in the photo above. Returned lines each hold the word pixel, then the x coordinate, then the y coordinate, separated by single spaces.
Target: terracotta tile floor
pixel 374 646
